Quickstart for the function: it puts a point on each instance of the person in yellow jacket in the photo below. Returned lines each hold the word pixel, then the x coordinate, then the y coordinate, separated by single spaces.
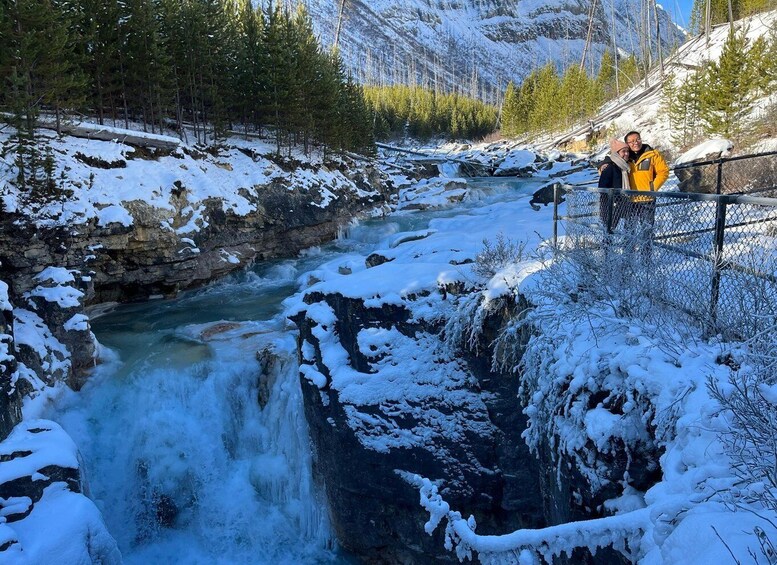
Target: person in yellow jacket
pixel 649 171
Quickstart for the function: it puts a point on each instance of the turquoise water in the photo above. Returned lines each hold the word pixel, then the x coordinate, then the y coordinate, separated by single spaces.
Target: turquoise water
pixel 192 429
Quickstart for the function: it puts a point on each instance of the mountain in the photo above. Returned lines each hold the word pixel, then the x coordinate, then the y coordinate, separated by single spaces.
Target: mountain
pixel 477 46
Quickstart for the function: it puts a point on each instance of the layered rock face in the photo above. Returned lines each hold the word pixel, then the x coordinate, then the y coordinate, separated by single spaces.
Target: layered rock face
pixel 144 226
pixel 393 412
pixel 150 257
pixel 387 399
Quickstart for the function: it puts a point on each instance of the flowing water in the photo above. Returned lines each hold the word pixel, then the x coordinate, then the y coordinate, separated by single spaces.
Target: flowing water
pixel 192 428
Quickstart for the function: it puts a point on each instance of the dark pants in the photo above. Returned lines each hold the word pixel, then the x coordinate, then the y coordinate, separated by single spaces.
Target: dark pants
pixel 618 203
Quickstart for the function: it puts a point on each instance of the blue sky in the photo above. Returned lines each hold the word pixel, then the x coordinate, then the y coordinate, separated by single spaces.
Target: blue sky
pixel 679 9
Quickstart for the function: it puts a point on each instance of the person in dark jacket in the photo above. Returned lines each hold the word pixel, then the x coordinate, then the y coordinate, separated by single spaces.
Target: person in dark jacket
pixel 615 176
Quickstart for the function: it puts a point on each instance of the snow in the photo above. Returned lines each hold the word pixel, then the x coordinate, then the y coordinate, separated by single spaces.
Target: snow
pixel 48 444
pixel 121 133
pixel 178 181
pixel 573 361
pixel 64 296
pixel 47 535
pixel 78 323
pixel 57 275
pixel 113 214
pixel 516 160
pixel 660 378
pixel 450 42
pixel 193 398
pixel 31 331
pixel 647 111
pixel 709 149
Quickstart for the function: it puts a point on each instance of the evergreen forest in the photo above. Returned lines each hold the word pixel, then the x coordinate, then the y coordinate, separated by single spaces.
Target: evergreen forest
pixel 422 113
pixel 716 97
pixel 192 67
pixel 549 101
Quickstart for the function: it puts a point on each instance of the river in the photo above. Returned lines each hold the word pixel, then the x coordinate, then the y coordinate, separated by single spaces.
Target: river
pixel 192 430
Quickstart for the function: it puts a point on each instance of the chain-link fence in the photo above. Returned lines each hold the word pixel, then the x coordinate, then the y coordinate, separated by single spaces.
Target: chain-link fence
pixel 745 174
pixel 711 256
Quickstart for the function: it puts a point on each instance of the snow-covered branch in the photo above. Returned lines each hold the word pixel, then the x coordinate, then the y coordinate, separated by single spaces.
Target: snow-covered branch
pixel 621 531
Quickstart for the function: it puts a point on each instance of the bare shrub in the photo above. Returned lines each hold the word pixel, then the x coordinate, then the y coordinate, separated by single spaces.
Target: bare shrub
pixel 497 255
pixel 747 402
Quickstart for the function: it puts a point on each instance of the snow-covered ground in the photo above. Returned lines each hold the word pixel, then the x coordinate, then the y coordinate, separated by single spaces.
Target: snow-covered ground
pixel 645 110
pixel 688 514
pixel 698 512
pixel 695 513
pixel 100 177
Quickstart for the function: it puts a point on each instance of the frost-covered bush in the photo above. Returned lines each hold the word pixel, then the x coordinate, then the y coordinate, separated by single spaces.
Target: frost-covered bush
pixel 748 404
pixel 583 368
pixel 498 254
pixel 751 438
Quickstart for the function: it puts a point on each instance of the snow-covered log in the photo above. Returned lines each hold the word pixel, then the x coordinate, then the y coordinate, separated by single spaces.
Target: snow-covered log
pixel 108 133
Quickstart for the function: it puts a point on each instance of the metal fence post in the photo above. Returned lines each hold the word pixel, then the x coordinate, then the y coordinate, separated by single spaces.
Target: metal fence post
pixel 717 264
pixel 719 183
pixel 555 217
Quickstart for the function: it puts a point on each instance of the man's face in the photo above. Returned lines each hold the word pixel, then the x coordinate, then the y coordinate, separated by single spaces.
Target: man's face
pixel 634 141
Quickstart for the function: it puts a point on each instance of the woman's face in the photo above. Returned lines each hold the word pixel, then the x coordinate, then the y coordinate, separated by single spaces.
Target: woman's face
pixel 624 153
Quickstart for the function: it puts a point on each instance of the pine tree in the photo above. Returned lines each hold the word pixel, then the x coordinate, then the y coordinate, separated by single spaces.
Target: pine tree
pixel 605 80
pixel 37 73
pixel 629 73
pixel 249 87
pixel 545 113
pixel 510 111
pixel 147 83
pixel 732 98
pixel 97 25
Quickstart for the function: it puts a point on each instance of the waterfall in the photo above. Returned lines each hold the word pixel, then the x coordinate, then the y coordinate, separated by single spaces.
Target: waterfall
pixel 196 446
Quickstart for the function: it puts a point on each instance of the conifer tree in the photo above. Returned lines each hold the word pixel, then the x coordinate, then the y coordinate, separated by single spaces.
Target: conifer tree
pixel 510 111
pixel 249 87
pixel 731 99
pixel 37 70
pixel 147 84
pixel 97 25
pixel 605 79
pixel 544 114
pixel 629 73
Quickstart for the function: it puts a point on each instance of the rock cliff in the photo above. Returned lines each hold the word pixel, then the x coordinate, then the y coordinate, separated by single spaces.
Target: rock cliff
pixel 127 225
pixel 442 414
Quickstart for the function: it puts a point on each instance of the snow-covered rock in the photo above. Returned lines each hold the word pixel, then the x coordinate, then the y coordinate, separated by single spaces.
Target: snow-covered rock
pixel 156 226
pixel 47 518
pixel 10 402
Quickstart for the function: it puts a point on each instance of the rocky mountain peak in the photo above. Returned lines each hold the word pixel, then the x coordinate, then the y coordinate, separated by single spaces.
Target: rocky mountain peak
pixel 477 46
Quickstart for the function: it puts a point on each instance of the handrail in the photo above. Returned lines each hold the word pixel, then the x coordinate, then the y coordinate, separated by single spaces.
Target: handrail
pixel 724 218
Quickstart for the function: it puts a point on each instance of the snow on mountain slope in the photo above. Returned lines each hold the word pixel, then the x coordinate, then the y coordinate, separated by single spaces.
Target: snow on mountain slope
pixel 474 46
pixel 642 108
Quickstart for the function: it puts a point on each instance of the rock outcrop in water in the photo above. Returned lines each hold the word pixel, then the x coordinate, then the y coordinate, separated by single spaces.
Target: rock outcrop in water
pixel 371 429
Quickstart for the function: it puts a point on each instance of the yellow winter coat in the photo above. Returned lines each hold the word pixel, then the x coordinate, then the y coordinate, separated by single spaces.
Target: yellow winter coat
pixel 649 172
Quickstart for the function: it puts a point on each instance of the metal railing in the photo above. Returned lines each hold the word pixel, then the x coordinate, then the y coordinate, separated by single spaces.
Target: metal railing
pixel 712 256
pixel 744 174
